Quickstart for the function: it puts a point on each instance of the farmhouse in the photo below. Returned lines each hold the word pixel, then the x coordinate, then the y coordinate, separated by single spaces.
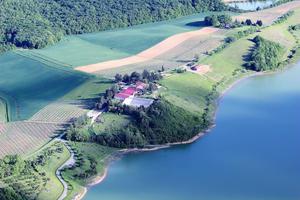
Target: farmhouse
pixel 125 93
pixel 140 86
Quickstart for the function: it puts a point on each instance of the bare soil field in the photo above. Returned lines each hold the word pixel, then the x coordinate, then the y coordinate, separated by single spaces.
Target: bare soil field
pixel 268 16
pixel 151 53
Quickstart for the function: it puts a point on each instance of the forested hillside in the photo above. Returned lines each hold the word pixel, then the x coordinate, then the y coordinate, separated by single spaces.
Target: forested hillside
pixel 38 23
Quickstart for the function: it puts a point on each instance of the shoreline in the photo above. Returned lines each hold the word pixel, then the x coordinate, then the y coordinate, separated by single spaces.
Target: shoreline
pixel 99 179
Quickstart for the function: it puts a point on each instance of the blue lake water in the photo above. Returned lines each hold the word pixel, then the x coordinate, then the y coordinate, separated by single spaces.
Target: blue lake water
pixel 252 153
pixel 252 5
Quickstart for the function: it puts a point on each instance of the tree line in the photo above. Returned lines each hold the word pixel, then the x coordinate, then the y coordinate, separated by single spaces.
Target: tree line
pixel 38 23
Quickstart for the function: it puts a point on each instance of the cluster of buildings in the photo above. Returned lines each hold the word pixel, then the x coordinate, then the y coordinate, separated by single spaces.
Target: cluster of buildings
pixel 128 95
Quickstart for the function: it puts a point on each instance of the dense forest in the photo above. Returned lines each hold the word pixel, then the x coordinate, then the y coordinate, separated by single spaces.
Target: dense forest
pixel 38 23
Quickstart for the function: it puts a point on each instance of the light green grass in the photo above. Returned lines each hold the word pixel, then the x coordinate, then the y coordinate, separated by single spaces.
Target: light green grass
pixel 231 58
pixel 187 90
pixel 111 120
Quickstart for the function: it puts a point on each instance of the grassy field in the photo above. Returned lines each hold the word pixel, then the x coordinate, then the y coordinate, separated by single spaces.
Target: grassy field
pixel 32 85
pixel 85 154
pixel 233 57
pixel 187 90
pixel 108 45
pixel 110 121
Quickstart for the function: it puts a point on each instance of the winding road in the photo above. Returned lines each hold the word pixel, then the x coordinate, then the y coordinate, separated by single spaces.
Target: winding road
pixel 69 163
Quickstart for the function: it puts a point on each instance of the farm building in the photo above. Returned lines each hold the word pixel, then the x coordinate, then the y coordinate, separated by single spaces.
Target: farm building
pixel 125 93
pixel 138 102
pixel 140 85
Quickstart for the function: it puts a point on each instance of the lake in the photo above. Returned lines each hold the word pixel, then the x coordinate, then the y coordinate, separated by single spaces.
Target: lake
pixel 252 153
pixel 252 5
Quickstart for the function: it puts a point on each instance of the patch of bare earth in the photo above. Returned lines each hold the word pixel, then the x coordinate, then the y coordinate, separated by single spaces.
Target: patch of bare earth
pixel 268 16
pixel 149 54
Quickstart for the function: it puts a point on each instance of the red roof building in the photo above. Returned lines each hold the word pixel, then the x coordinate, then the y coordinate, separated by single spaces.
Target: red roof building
pixel 140 85
pixel 125 93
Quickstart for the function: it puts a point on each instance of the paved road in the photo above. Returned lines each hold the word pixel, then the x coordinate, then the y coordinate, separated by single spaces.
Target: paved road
pixel 69 163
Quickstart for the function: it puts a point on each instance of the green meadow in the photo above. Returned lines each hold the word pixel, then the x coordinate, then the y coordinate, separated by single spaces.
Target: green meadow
pixel 28 85
pixel 187 90
pixel 107 45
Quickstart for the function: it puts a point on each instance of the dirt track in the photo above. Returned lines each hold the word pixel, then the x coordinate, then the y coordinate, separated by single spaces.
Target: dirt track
pixel 151 53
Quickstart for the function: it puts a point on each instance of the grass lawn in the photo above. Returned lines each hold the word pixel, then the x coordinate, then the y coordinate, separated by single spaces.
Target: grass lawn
pixel 231 58
pixel 85 152
pixel 187 90
pixel 111 120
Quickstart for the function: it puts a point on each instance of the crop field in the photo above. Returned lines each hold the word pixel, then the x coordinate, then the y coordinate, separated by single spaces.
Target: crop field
pixel 29 85
pixel 25 137
pixel 187 90
pixel 108 45
pixel 3 111
pixel 59 112
pixel 178 56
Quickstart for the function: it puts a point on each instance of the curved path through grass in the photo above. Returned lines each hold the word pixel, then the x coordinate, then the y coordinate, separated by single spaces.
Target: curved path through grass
pixel 69 163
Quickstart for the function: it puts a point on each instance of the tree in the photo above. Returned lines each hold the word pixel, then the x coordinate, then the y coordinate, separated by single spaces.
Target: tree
pixel 126 78
pixel 135 76
pixel 259 22
pixel 145 74
pixel 118 78
pixel 248 22
pixel 162 68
